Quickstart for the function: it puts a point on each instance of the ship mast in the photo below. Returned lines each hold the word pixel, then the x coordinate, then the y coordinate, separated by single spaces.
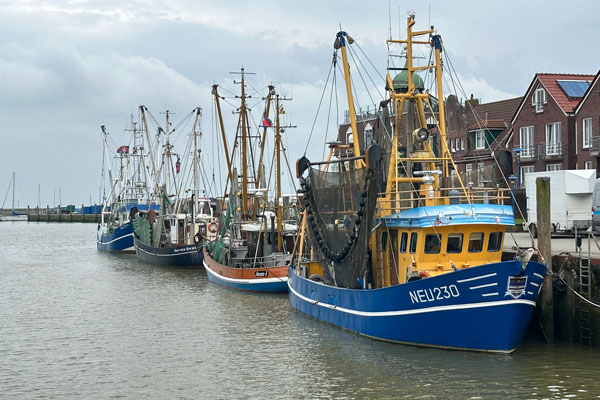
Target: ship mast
pixel 215 93
pixel 340 43
pixel 154 171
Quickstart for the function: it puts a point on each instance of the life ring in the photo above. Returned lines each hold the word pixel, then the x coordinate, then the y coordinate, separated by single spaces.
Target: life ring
pixel 212 227
pixel 424 274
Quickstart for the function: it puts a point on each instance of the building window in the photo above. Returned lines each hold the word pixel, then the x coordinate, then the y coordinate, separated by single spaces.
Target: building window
pixel 589 165
pixel 538 100
pixel 479 139
pixel 468 172
pixel 349 137
pixel 587 132
pixel 368 135
pixel 553 144
pixel 525 170
pixel 462 143
pixel 553 167
pixel 527 146
pixel 452 148
pixel 480 174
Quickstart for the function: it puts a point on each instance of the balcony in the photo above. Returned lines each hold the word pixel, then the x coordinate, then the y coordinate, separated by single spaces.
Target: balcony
pixel 595 146
pixel 550 151
pixel 527 152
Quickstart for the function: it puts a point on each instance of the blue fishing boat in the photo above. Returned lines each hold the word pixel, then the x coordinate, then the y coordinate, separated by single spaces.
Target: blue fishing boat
pixel 129 192
pixel 401 249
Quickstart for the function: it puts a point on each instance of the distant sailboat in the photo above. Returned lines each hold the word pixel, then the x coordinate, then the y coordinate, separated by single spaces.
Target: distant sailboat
pixel 14 216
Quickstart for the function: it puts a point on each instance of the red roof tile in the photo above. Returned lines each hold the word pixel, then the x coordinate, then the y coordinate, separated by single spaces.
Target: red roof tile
pixel 549 81
pixel 492 115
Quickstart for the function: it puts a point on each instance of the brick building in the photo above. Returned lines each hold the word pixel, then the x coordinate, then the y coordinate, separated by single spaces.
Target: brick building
pixel 548 131
pixel 477 135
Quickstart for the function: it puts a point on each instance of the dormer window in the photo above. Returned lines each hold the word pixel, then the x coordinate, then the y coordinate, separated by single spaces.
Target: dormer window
pixel 349 136
pixel 368 135
pixel 539 99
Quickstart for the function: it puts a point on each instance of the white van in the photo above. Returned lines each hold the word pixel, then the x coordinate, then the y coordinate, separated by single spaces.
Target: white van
pixel 571 193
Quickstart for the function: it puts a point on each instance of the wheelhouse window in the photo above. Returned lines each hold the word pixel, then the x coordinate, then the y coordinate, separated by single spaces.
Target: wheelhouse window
pixel 475 242
pixel 587 132
pixel 403 242
pixel 455 241
pixel 413 242
pixel 433 243
pixel 495 241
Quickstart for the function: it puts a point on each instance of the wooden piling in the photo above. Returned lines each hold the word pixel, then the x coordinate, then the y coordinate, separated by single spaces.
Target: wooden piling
pixel 545 300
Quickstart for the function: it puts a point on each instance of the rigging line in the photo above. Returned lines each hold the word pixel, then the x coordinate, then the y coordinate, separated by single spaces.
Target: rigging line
pixel 478 158
pixel 333 86
pixel 320 101
pixel 362 79
pixel 369 60
pixel 354 58
pixel 287 163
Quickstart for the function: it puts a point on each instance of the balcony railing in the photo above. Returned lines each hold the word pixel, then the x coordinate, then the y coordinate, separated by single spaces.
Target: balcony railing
pixel 527 152
pixel 550 150
pixel 595 146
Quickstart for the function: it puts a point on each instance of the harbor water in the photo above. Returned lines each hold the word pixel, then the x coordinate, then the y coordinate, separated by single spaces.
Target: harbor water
pixel 78 323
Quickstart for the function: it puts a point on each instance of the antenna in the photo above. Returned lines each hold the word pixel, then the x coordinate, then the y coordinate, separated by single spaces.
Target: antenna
pixel 390 17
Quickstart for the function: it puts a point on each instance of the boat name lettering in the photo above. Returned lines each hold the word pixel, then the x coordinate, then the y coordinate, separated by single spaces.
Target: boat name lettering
pixel 261 273
pixel 180 249
pixel 433 294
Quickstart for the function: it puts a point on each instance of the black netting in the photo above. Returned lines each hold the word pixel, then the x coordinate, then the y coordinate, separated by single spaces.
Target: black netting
pixel 340 207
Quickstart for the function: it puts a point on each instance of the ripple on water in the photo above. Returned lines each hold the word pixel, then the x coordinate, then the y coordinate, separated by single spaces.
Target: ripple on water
pixel 77 323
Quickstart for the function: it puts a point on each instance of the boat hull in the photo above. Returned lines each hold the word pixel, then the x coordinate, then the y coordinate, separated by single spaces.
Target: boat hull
pixel 188 256
pixel 119 240
pixel 269 279
pixel 484 308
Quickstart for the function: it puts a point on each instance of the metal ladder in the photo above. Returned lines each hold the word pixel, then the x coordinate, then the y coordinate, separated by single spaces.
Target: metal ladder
pixel 585 290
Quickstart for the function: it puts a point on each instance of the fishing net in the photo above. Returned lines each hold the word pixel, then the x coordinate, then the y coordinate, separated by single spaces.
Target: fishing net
pixel 339 206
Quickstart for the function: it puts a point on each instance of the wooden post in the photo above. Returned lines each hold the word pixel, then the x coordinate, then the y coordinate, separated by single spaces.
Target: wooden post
pixel 82 214
pixel 545 255
pixel 48 213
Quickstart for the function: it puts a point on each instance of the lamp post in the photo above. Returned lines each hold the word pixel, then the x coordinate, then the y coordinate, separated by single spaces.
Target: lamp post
pixel 517 151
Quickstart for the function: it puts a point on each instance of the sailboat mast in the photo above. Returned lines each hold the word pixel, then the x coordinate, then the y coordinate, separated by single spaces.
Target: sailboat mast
pixel 13 199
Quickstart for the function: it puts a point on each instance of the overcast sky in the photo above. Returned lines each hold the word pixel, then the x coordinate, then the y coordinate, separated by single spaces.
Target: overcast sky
pixel 67 67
